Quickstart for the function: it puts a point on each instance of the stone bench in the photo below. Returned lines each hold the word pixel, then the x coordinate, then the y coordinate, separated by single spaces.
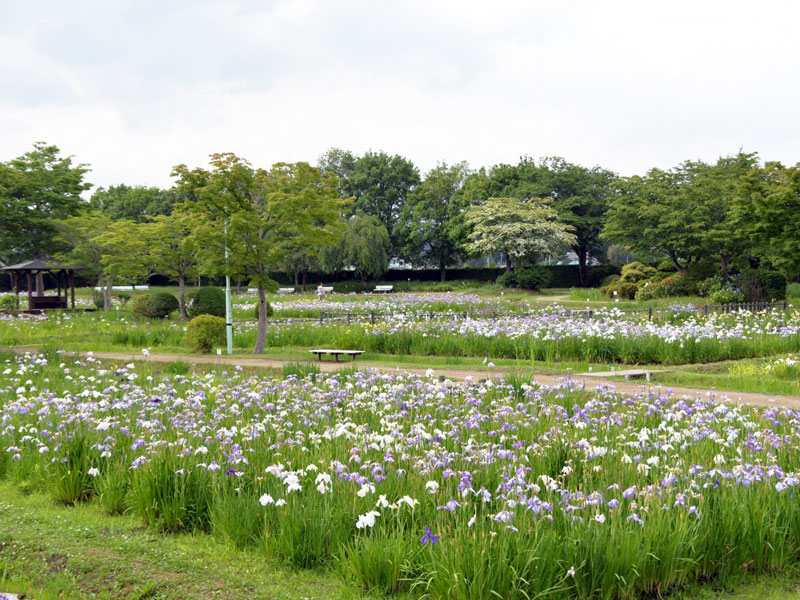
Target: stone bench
pixel 320 351
pixel 384 288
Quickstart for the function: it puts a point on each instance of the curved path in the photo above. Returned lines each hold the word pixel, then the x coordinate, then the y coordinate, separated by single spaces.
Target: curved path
pixel 628 387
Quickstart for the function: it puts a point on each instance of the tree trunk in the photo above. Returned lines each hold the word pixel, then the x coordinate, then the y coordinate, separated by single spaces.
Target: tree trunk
pixel 109 280
pixel 297 279
pixel 182 296
pixel 442 270
pixel 723 263
pixel 40 284
pixel 508 262
pixel 582 270
pixel 681 268
pixel 305 278
pixel 238 286
pixel 261 338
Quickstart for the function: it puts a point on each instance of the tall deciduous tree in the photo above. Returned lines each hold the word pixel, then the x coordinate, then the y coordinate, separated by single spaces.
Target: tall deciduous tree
pixel 652 216
pixel 36 189
pixel 254 213
pixel 523 230
pixel 431 224
pixel 768 212
pixel 107 248
pixel 173 250
pixel 580 196
pixel 380 185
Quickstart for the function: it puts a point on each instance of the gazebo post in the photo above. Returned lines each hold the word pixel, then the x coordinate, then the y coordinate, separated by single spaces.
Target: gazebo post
pixel 72 287
pixel 30 290
pixel 58 284
pixel 16 289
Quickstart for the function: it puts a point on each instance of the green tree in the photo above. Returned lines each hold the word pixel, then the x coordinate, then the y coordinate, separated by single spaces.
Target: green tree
pixel 652 217
pixel 523 230
pixel 380 185
pixel 136 203
pixel 580 196
pixel 172 250
pixel 767 210
pixel 431 223
pixel 711 193
pixel 107 248
pixel 36 189
pixel 254 213
pixel 365 247
pixel 341 163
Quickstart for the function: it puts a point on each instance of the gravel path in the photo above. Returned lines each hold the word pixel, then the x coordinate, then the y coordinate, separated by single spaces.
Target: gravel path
pixel 476 373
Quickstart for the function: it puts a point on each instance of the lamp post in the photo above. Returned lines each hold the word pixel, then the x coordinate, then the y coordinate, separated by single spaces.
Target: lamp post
pixel 228 303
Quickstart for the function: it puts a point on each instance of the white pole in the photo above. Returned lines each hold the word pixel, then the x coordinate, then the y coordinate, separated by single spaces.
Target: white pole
pixel 228 303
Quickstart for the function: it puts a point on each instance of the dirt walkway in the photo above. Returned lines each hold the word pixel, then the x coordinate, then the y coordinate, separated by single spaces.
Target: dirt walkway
pixel 476 373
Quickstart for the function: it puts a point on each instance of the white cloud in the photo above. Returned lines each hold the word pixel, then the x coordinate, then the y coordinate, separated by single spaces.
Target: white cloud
pixel 136 87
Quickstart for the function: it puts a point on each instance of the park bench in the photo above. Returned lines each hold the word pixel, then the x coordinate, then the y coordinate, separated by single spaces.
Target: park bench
pixel 285 291
pixel 327 290
pixel 384 288
pixel 320 351
pixel 124 288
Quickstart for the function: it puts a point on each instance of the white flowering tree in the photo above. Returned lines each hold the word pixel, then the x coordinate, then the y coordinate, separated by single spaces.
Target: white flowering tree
pixel 523 230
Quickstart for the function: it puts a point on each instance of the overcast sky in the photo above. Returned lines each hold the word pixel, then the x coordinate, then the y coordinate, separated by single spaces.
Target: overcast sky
pixel 133 87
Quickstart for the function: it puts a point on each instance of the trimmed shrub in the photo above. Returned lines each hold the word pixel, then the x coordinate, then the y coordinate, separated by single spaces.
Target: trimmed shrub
pixel 204 333
pixel 628 291
pixel 8 302
pixel 205 301
pixel 636 271
pixel 649 290
pixel 675 285
pixel 270 310
pixel 729 295
pixel 99 302
pixel 532 278
pixel 154 306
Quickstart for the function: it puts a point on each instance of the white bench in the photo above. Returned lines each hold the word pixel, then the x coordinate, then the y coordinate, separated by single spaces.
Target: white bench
pixel 285 291
pixel 325 290
pixel 320 351
pixel 384 288
pixel 125 288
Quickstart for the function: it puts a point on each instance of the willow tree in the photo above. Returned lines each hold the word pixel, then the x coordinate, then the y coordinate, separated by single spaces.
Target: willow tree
pixel 522 230
pixel 248 219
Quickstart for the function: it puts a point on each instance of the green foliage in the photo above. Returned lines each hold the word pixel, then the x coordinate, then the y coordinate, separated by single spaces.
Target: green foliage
pixel 36 189
pixel 69 476
pixel 98 302
pixel 206 301
pixel 793 290
pixel 365 246
pixel 628 291
pixel 760 285
pixel 8 302
pixel 270 310
pixel 154 306
pixel 727 295
pixel 636 271
pixel 431 224
pixel 528 278
pixel 380 185
pixel 136 203
pixel 204 333
pixel 300 370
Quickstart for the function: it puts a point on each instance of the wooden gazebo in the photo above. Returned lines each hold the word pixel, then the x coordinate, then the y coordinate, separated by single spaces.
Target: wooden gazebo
pixel 65 281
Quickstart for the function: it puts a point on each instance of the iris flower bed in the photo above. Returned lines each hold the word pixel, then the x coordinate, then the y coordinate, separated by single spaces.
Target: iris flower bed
pixel 415 485
pixel 550 334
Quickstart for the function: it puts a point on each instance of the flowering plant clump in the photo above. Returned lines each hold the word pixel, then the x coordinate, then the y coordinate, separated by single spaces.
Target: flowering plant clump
pixel 409 483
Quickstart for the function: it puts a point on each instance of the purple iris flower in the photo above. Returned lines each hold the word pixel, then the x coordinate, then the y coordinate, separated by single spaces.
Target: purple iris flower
pixel 429 537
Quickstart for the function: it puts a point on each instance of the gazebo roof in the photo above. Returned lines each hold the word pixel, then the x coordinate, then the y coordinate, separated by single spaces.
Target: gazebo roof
pixel 43 264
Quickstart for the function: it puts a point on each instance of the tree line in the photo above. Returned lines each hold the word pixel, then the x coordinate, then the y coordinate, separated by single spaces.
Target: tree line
pixel 356 212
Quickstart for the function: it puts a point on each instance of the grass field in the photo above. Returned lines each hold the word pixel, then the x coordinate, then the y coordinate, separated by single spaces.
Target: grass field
pixel 165 480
